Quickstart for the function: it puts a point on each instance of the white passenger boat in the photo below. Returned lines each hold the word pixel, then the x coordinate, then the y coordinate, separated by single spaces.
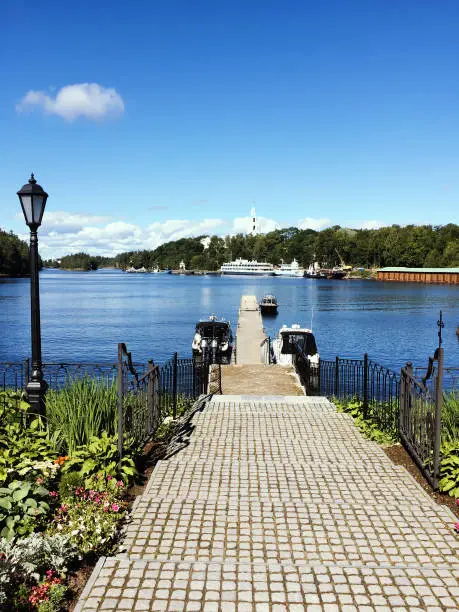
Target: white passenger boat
pixel 246 267
pixel 291 269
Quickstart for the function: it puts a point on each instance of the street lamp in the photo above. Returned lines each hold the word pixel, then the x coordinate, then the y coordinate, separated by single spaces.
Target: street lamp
pixel 33 201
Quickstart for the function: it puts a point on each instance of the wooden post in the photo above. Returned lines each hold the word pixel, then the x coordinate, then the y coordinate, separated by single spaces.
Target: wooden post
pixel 437 420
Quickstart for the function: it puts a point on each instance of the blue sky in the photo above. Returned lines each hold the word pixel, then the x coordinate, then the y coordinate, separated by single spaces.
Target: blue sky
pixel 325 112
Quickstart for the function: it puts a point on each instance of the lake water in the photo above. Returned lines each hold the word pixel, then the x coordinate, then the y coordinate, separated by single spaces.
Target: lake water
pixel 85 315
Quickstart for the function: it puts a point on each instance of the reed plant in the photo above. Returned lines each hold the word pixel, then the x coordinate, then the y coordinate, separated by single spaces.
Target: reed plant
pixel 82 408
pixel 450 417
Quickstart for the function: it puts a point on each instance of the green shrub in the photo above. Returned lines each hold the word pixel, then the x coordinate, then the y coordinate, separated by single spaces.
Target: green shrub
pixel 68 483
pixel 101 455
pixel 370 427
pixel 449 469
pixel 450 417
pixel 22 506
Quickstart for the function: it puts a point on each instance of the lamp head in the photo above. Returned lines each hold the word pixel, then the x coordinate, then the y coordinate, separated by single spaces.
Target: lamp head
pixel 33 201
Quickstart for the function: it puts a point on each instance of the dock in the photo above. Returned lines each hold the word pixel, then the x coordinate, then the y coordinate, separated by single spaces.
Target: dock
pixel 250 370
pixel 250 334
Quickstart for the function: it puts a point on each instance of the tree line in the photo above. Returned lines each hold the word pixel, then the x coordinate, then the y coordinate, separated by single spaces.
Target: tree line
pixel 79 261
pixel 14 255
pixel 417 246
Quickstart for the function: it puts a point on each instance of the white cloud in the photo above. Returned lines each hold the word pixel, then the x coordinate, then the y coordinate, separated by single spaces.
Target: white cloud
pixel 60 222
pixel 88 100
pixel 315 224
pixel 372 224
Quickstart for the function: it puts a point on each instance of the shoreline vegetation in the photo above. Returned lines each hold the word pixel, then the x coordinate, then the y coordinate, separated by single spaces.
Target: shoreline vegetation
pixel 365 250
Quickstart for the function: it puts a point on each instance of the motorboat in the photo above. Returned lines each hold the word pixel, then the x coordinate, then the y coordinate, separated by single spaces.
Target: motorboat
pixel 213 341
pixel 268 304
pixel 291 269
pixel 295 340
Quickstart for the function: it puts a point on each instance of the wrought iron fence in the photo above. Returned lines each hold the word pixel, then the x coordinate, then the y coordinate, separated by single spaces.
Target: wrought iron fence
pixel 146 394
pixel 420 416
pixel 374 385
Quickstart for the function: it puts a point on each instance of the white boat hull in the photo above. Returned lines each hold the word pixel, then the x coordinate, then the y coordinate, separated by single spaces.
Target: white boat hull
pixel 298 274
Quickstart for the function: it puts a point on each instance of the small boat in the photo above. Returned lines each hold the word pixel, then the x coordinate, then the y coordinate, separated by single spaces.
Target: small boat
pixel 268 304
pixel 213 341
pixel 292 341
pixel 141 270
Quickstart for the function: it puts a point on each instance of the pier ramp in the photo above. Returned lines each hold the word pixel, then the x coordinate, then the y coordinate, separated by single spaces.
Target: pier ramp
pixel 250 333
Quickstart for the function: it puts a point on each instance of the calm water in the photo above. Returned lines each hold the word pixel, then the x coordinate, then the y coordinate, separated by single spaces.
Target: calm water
pixel 85 315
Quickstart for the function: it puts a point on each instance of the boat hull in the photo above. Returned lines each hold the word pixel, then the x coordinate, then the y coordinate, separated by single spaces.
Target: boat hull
pixel 249 273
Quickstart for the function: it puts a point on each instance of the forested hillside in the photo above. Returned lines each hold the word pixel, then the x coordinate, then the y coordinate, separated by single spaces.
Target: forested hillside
pixel 14 254
pixel 412 246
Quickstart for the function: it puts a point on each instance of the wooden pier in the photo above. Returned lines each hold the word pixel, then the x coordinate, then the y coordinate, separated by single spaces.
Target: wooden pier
pixel 251 372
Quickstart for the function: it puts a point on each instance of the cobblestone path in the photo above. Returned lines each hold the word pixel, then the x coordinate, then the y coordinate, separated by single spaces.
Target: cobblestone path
pixel 278 503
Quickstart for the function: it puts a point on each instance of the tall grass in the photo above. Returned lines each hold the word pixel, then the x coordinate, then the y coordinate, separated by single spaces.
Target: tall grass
pixel 82 408
pixel 450 417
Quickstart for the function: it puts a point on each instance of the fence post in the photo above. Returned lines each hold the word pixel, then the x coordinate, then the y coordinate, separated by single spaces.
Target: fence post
pixel 120 391
pixel 365 386
pixel 336 376
pixel 174 387
pixel 150 391
pixel 27 370
pixel 437 421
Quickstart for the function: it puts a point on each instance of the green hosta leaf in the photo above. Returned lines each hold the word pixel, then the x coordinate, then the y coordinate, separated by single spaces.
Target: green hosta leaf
pixel 21 493
pixel 88 466
pixel 41 491
pixel 6 504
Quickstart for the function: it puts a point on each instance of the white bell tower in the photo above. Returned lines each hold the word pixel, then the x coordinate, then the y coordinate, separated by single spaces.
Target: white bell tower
pixel 253 230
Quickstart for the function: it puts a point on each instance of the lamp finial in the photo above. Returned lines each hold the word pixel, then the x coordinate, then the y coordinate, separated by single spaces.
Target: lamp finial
pixel 32 180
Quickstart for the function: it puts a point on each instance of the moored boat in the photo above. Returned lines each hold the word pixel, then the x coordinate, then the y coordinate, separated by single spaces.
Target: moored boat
pixel 268 304
pixel 291 269
pixel 213 341
pixel 293 340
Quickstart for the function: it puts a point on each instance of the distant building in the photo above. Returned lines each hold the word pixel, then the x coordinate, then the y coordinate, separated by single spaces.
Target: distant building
pixel 443 276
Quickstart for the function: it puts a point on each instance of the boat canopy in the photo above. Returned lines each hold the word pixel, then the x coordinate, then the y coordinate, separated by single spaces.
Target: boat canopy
pixel 295 340
pixel 213 329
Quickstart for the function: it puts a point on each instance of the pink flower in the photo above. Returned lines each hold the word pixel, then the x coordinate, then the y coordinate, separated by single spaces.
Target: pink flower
pixel 53 493
pixel 39 481
pixel 115 507
pixel 109 477
pixel 457 502
pixel 456 526
pixel 120 483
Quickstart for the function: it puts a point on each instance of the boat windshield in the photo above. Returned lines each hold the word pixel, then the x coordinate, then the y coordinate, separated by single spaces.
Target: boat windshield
pixel 212 330
pixel 293 342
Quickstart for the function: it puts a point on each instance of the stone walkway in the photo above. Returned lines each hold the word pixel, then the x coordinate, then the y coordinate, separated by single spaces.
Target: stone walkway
pixel 276 504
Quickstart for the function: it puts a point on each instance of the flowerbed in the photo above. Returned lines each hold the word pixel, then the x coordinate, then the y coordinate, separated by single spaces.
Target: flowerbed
pixel 57 510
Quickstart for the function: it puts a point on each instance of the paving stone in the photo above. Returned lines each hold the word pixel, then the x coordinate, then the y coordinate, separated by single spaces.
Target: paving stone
pixel 279 504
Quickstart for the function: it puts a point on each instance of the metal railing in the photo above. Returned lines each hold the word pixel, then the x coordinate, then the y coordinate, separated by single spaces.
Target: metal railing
pixel 420 416
pixel 374 385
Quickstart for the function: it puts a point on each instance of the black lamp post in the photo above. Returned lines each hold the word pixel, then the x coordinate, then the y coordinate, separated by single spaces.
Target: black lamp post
pixel 33 201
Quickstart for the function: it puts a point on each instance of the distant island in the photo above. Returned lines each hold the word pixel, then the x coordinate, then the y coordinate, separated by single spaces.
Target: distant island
pixel 420 246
